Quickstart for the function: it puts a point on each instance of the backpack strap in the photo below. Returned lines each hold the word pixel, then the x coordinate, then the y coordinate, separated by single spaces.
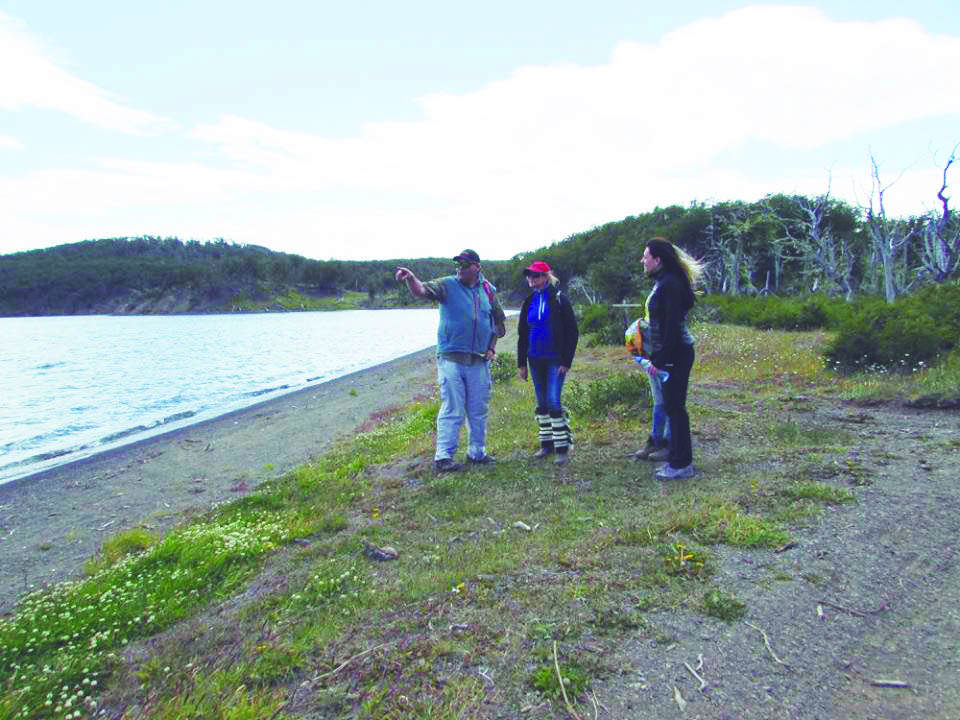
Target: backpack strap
pixel 488 291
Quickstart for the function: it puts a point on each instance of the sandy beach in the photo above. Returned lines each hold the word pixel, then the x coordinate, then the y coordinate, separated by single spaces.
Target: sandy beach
pixel 52 521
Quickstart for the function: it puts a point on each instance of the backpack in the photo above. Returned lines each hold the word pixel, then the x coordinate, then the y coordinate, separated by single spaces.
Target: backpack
pixel 498 327
pixel 637 338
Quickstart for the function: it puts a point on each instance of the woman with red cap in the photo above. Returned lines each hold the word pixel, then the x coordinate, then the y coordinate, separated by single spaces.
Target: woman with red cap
pixel 547 337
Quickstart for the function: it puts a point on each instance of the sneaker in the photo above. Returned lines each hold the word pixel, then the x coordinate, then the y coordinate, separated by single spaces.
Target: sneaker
pixel 562 459
pixel 542 453
pixel 482 460
pixel 445 465
pixel 672 473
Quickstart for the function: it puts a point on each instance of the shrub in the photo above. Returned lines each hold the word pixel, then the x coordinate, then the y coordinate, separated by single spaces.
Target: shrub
pixel 775 312
pixel 504 367
pixel 601 325
pixel 620 392
pixel 904 335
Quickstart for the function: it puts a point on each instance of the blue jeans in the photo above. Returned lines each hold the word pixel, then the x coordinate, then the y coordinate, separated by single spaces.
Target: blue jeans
pixel 547 384
pixel 464 393
pixel 660 426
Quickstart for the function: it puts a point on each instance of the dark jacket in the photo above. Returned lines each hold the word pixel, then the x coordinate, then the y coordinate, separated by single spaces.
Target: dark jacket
pixel 668 308
pixel 563 328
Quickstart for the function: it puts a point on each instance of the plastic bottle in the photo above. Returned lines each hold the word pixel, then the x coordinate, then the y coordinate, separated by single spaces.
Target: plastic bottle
pixel 663 375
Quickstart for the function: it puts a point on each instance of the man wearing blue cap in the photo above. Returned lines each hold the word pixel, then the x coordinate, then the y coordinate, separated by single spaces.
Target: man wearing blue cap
pixel 471 321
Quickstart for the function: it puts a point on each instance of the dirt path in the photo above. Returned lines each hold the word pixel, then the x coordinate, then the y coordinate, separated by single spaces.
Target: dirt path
pixel 884 571
pixel 51 522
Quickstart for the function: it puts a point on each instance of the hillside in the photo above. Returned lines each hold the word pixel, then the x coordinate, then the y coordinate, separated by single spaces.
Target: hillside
pixel 165 275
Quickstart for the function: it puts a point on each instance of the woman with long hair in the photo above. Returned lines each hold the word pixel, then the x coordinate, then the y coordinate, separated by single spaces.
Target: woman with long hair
pixel 547 338
pixel 674 273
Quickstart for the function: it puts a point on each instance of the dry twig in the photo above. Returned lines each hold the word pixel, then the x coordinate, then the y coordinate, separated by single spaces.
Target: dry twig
pixel 347 662
pixel 566 701
pixel 703 683
pixel 858 613
pixel 766 641
pixel 892 684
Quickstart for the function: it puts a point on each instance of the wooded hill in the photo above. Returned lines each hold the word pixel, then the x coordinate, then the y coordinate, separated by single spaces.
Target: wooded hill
pixel 167 275
pixel 782 244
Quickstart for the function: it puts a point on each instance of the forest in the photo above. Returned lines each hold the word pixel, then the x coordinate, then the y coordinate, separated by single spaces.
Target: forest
pixel 781 245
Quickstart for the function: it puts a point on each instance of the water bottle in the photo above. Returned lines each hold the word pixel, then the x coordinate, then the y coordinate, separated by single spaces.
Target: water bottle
pixel 662 375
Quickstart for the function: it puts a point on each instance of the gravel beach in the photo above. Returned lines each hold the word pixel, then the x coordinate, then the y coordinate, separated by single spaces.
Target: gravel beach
pixel 52 521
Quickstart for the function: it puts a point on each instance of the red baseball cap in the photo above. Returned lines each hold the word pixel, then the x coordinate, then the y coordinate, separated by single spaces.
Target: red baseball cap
pixel 536 268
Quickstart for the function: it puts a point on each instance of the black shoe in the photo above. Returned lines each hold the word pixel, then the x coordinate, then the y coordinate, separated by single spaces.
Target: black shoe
pixel 562 459
pixel 644 452
pixel 445 465
pixel 543 452
pixel 483 460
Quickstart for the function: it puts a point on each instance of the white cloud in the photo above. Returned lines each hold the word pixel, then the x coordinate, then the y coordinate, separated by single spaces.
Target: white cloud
pixel 10 143
pixel 548 150
pixel 30 79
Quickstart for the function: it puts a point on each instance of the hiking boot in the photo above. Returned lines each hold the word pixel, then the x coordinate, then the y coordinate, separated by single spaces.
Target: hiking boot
pixel 482 460
pixel 445 465
pixel 543 452
pixel 672 473
pixel 648 450
pixel 659 455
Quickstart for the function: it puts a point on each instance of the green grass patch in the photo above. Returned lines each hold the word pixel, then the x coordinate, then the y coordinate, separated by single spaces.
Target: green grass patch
pixel 724 605
pixel 229 616
pixel 819 492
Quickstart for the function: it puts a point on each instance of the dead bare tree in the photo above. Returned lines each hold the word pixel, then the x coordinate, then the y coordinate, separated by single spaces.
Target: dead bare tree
pixel 816 245
pixel 889 237
pixel 578 284
pixel 940 258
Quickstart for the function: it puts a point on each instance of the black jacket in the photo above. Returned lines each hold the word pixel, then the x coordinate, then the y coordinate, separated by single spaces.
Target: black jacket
pixel 668 307
pixel 563 328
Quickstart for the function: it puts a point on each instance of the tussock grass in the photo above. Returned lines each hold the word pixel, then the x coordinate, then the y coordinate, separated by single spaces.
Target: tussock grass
pixel 267 607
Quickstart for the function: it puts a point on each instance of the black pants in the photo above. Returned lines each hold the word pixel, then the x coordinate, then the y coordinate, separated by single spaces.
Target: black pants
pixel 675 403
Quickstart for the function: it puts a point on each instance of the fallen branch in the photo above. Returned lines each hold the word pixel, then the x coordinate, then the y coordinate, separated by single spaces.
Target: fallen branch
pixel 766 641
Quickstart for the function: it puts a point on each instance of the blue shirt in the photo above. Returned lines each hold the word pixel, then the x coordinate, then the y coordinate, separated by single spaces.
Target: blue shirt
pixel 538 318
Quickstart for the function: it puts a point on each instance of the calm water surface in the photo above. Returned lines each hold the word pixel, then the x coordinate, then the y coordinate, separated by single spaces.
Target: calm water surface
pixel 73 386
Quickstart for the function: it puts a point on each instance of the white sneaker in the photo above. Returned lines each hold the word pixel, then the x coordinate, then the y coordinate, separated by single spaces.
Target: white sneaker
pixel 672 473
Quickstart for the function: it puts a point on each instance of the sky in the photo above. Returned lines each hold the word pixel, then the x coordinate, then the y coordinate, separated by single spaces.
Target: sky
pixel 378 130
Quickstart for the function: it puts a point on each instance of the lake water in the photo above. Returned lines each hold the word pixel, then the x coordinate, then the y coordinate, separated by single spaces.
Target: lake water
pixel 74 386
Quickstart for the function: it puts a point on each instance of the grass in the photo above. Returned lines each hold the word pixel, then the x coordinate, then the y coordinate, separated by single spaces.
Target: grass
pixel 267 607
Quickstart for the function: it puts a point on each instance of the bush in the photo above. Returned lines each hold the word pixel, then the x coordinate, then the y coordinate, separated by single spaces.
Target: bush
pixel 504 367
pixel 617 393
pixel 775 312
pixel 601 325
pixel 904 335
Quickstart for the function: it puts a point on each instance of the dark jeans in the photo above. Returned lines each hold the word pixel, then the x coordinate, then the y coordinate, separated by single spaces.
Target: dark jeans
pixel 675 402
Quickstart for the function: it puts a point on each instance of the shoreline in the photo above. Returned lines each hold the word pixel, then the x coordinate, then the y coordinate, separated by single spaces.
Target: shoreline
pixel 53 520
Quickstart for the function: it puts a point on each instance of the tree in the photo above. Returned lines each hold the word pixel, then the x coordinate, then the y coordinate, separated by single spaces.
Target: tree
pixel 889 237
pixel 816 243
pixel 578 284
pixel 940 258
